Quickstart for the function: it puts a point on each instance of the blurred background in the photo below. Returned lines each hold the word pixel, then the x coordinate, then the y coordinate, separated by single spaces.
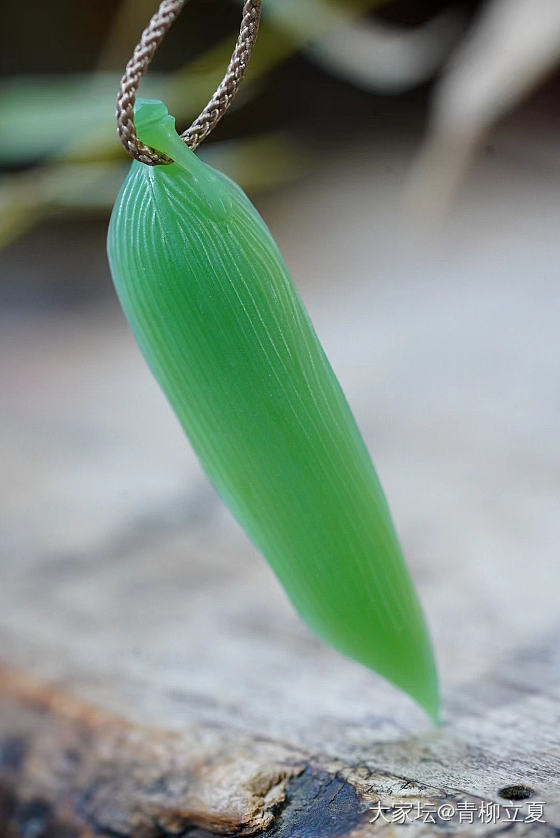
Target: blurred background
pixel 405 156
pixel 330 79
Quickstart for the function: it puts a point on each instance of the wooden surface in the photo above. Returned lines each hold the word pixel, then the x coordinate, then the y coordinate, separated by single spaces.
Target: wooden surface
pixel 155 680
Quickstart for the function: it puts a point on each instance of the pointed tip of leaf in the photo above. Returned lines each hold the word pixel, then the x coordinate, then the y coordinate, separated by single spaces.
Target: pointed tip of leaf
pixel 425 691
pixel 430 703
pixel 413 669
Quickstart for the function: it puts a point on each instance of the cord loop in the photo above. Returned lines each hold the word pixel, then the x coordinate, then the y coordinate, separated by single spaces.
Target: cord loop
pixel 142 56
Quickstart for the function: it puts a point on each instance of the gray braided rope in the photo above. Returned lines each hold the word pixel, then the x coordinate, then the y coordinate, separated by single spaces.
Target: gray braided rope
pixel 142 56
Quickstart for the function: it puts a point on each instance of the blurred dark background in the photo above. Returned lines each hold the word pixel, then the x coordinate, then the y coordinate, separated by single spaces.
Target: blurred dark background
pixel 306 102
pixel 315 110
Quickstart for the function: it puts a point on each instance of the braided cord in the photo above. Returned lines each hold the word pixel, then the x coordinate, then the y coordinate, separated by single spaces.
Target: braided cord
pixel 142 56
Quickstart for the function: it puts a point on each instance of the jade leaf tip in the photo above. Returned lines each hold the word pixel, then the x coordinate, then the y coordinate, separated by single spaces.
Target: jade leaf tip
pixel 155 127
pixel 430 703
pixel 151 112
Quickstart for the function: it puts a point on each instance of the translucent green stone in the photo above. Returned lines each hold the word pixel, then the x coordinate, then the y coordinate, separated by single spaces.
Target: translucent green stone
pixel 219 322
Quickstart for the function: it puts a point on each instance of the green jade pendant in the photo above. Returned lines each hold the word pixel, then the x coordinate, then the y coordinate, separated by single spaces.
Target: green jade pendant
pixel 221 325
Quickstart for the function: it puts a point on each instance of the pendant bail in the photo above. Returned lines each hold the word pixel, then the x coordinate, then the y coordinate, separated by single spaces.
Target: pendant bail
pixel 142 56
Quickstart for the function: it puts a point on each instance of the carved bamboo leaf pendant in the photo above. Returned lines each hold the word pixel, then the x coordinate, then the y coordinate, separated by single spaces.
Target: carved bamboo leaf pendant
pixel 218 319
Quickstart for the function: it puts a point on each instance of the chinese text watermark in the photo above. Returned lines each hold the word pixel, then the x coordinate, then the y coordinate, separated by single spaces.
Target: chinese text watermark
pixel 461 812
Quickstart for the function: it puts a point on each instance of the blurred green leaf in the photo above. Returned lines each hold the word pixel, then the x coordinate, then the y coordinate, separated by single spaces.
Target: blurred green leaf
pixel 44 116
pixel 73 115
pixel 255 163
pixel 68 122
